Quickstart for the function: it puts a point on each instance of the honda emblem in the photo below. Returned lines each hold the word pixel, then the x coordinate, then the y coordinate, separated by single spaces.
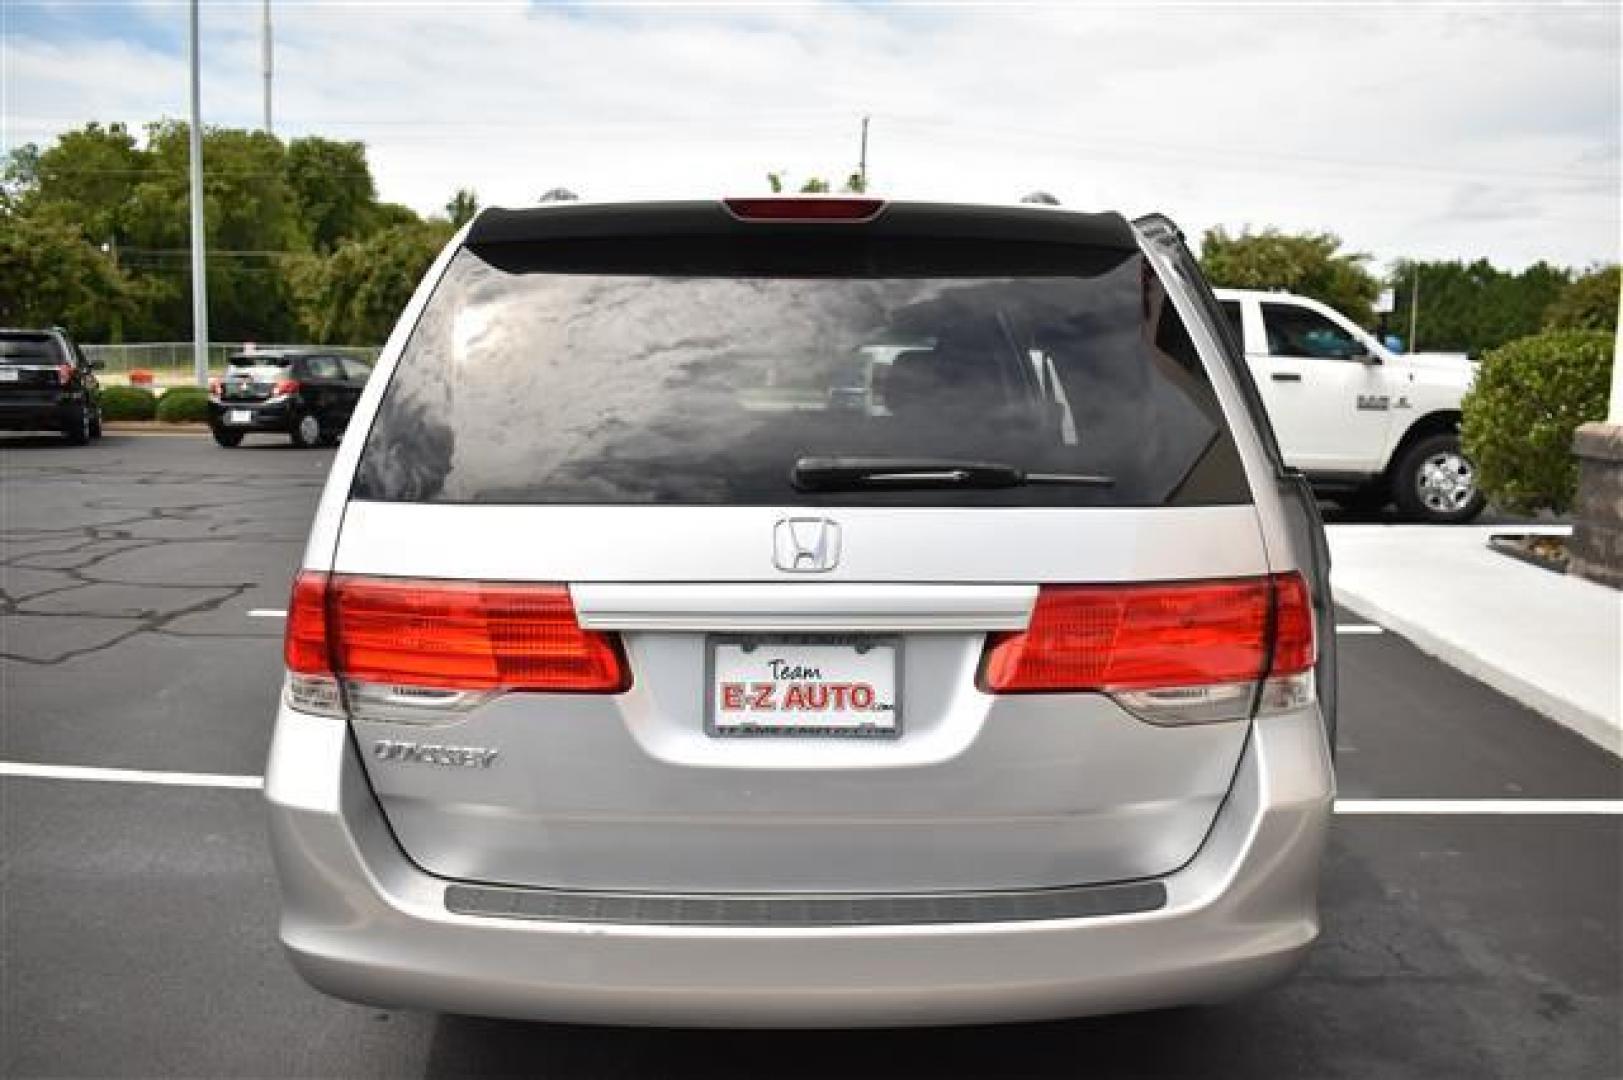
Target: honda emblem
pixel 806 545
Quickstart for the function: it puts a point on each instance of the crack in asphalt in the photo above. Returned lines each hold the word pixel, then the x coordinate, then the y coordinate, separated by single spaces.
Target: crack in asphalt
pixel 144 624
pixel 73 554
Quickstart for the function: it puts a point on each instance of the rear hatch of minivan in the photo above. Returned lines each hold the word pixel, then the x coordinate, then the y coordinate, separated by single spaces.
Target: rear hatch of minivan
pixel 632 592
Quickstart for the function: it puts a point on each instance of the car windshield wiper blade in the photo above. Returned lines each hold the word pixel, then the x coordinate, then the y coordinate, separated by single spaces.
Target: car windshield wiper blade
pixel 866 474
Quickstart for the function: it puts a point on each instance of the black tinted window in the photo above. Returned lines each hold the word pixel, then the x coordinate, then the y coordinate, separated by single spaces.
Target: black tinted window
pixel 567 377
pixel 1236 321
pixel 30 349
pixel 322 367
pixel 1300 331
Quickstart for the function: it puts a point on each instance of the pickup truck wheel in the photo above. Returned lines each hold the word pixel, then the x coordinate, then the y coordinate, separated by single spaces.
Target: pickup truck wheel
pixel 1435 482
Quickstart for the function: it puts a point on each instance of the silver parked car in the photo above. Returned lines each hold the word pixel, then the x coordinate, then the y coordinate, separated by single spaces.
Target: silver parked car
pixel 806 612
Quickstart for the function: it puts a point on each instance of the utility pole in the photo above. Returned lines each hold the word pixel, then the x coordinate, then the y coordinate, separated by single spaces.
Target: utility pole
pixel 1414 312
pixel 862 161
pixel 200 301
pixel 265 57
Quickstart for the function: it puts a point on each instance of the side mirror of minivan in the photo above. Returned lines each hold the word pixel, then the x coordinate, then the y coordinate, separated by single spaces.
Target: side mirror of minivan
pixel 1369 359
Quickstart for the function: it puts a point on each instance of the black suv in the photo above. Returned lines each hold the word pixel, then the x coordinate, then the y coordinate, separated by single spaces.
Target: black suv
pixel 47 384
pixel 306 396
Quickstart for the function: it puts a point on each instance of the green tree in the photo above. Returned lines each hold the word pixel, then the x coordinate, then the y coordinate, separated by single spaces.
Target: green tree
pixel 354 296
pixel 252 225
pixel 50 274
pixel 87 177
pixel 813 185
pixel 389 215
pixel 1311 264
pixel 1473 307
pixel 20 173
pixel 332 189
pixel 1590 303
pixel 462 207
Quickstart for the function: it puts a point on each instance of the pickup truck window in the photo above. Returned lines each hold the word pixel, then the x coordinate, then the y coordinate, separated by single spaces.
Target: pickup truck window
pixel 1236 320
pixel 1299 331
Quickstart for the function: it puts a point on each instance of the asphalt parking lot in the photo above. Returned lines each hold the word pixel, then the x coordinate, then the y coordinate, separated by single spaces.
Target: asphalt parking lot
pixel 137 919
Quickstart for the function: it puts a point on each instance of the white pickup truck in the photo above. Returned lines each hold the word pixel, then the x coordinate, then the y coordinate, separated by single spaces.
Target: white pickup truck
pixel 1366 425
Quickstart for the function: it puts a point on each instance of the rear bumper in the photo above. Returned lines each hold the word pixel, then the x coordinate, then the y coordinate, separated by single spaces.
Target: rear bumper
pixel 35 414
pixel 361 922
pixel 260 417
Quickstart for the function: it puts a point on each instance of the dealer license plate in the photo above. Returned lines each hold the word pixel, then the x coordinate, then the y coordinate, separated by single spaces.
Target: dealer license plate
pixel 239 416
pixel 804 686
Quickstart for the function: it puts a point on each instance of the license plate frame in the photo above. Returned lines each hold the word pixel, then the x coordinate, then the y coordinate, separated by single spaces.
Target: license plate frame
pixel 239 416
pixel 10 374
pixel 886 733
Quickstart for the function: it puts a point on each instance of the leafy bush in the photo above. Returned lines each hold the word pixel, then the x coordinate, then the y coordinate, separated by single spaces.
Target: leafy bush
pixel 183 403
pixel 127 403
pixel 1528 398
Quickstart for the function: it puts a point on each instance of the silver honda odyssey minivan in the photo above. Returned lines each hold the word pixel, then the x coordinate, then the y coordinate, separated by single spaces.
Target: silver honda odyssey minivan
pixel 806 612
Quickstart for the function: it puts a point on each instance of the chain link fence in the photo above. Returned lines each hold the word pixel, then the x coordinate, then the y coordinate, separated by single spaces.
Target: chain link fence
pixel 169 363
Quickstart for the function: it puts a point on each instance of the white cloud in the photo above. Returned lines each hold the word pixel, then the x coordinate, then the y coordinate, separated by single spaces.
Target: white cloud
pixel 1411 131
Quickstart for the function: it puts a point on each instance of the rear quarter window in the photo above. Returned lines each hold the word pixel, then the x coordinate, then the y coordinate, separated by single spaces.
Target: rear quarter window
pixel 639 375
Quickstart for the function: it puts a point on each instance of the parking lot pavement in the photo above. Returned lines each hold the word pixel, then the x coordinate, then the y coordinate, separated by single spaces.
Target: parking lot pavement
pixel 137 920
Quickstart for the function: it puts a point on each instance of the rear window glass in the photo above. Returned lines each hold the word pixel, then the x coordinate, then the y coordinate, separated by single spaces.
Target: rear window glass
pixel 260 361
pixel 30 349
pixel 627 373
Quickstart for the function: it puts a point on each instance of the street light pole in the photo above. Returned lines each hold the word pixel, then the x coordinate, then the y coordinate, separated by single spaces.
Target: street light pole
pixel 862 162
pixel 265 51
pixel 200 301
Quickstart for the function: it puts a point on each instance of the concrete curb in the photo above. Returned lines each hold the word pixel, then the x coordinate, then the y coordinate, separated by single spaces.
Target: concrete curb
pixel 1593 726
pixel 154 427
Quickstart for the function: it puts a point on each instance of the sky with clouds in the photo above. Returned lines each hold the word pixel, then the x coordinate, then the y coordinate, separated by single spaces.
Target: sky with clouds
pixel 1434 130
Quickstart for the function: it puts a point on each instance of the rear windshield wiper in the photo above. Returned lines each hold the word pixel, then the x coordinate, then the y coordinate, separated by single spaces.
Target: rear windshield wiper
pixel 868 474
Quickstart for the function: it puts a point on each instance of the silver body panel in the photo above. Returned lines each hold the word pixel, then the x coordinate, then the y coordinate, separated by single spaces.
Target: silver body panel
pixel 362 922
pixel 628 794
pixel 630 791
pixel 679 544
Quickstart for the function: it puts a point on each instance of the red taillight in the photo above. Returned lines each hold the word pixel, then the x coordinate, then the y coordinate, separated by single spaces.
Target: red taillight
pixel 1131 637
pixel 1294 651
pixel 285 386
pixel 214 387
pixel 449 634
pixel 304 648
pixel 812 209
pixel 64 373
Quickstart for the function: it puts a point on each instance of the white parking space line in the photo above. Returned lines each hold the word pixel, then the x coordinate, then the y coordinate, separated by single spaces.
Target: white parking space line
pixel 266 613
pixel 1570 807
pixel 1356 807
pixel 129 776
